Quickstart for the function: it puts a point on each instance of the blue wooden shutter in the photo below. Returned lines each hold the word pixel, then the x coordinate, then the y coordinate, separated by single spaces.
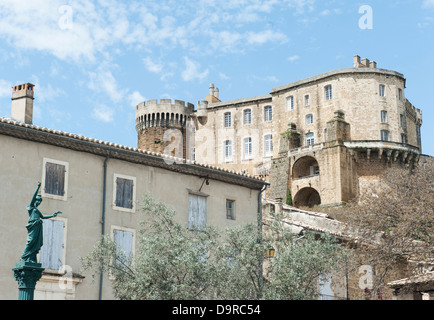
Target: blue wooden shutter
pixel 124 193
pixel 50 255
pixel 55 179
pixel 124 241
pixel 196 211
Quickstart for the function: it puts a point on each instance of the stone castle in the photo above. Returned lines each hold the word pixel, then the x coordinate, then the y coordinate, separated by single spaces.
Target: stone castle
pixel 321 140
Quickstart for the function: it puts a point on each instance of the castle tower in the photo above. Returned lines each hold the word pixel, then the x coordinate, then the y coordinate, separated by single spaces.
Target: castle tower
pixel 162 127
pixel 22 103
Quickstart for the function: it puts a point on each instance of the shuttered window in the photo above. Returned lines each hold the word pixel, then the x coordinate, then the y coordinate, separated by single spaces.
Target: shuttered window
pixel 51 252
pixel 55 179
pixel 124 193
pixel 124 241
pixel 196 212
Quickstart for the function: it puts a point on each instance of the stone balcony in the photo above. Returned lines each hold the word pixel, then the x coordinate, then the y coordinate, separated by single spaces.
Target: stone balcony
pixel 391 150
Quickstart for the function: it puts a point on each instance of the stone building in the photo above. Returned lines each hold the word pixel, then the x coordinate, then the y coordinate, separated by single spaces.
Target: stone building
pixel 322 140
pixel 98 186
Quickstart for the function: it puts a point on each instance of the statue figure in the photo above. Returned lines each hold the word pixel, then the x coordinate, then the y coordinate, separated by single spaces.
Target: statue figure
pixel 34 228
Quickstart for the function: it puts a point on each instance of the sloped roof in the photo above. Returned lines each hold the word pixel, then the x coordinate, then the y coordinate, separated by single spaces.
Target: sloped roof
pixel 104 148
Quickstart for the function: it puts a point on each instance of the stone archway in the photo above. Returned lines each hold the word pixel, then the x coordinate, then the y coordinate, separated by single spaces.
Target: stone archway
pixel 307 197
pixel 305 167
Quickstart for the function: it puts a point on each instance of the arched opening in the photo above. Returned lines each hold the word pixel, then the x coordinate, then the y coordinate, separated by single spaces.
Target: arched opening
pixel 305 167
pixel 307 197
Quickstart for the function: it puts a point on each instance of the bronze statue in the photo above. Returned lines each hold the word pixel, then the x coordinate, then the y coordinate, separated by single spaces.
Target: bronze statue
pixel 34 228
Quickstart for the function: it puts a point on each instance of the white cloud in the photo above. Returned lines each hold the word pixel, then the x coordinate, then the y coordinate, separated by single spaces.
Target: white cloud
pixel 46 92
pixel 135 98
pixel 223 76
pixel 152 66
pixel 272 78
pixel 103 81
pixel 102 113
pixel 5 88
pixel 293 58
pixel 428 4
pixel 266 36
pixel 327 12
pixel 85 30
pixel 192 72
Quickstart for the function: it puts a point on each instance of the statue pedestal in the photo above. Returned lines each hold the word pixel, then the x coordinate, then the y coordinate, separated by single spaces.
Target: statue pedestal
pixel 27 274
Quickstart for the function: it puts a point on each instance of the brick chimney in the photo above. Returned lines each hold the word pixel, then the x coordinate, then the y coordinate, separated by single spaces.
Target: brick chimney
pixel 22 103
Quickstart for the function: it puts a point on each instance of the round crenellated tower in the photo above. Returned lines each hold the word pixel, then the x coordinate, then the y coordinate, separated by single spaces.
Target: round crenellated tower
pixel 161 127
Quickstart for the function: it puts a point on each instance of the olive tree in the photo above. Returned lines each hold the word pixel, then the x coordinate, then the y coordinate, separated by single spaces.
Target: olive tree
pixel 172 262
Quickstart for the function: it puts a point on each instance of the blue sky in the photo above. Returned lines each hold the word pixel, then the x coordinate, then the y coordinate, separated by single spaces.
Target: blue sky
pixel 93 61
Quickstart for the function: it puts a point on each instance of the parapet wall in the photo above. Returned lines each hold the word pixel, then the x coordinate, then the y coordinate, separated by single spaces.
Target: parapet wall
pixel 167 113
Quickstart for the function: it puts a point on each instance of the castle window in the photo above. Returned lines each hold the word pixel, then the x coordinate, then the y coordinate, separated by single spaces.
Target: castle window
pixel 402 121
pixel 310 138
pixel 404 138
pixel 306 100
pixel 228 150
pixel 230 209
pixel 290 103
pixel 384 135
pixel 248 150
pixel 228 119
pixel 400 94
pixel 55 179
pixel 328 92
pixel 268 113
pixel 382 90
pixel 309 119
pixel 383 116
pixel 247 116
pixel 124 193
pixel 268 145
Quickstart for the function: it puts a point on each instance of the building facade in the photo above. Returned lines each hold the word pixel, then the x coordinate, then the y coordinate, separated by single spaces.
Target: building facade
pixel 322 140
pixel 99 186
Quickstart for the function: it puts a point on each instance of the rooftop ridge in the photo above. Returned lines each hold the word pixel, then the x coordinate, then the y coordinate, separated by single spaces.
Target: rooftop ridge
pixel 127 148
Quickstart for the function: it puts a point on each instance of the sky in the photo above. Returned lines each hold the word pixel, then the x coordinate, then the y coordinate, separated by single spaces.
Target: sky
pixel 92 62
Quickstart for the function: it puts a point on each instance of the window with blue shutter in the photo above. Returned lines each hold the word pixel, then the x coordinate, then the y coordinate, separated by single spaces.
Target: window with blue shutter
pixel 51 252
pixel 196 212
pixel 124 241
pixel 55 179
pixel 124 193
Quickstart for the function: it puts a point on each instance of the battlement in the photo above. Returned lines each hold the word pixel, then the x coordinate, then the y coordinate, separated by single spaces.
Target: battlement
pixel 202 106
pixel 166 103
pixel 166 113
pixel 364 63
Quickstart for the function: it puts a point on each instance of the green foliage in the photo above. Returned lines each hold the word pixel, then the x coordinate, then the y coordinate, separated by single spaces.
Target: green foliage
pixel 172 262
pixel 243 252
pixel 300 263
pixel 289 198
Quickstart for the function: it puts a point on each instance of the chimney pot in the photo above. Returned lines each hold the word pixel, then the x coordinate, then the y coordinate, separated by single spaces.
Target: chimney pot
pixel 22 103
